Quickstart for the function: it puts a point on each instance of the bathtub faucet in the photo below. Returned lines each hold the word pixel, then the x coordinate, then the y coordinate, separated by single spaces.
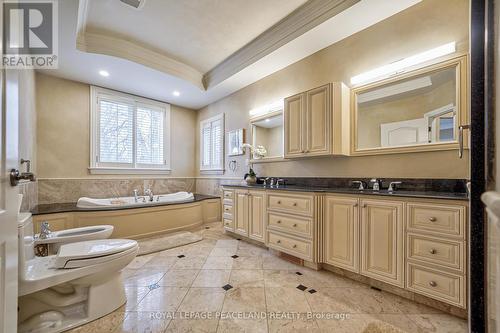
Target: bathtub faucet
pixel 136 195
pixel 149 193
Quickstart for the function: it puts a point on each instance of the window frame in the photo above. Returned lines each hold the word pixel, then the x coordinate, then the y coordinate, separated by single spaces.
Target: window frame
pixel 213 169
pixel 96 95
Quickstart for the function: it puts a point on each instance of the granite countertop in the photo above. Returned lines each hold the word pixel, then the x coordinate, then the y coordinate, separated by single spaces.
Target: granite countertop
pixel 71 206
pixel 397 193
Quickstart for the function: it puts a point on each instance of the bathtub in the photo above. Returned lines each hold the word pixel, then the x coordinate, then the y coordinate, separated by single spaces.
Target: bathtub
pixel 130 219
pixel 92 203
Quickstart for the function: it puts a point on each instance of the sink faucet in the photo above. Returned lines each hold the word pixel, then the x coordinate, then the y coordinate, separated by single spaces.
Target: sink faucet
pixel 136 195
pixel 149 193
pixel 376 184
pixel 392 186
pixel 280 180
pixel 45 230
pixel 362 184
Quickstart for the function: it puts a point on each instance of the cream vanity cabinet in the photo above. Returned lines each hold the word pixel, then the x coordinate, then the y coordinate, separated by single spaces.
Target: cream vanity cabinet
pixel 313 121
pixel 416 244
pixel 291 223
pixel 245 212
pixel 381 240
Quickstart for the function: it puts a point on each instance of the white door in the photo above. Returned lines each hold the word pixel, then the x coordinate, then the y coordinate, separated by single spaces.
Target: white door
pixel 404 133
pixel 9 90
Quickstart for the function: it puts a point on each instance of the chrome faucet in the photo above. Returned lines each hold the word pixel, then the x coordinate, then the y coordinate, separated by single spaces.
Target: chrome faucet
pixel 136 195
pixel 392 186
pixel 362 184
pixel 149 193
pixel 280 180
pixel 376 184
pixel 45 230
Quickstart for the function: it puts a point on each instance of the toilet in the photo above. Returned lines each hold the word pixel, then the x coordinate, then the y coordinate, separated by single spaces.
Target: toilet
pixel 81 283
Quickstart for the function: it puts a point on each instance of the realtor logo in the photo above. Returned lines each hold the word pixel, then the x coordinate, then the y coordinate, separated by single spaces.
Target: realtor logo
pixel 29 34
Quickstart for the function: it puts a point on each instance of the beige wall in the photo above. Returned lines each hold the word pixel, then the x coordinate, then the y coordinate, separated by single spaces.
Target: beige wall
pixel 63 132
pixel 426 25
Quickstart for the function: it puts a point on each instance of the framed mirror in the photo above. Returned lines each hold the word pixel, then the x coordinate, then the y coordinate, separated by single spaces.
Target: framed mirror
pixel 420 110
pixel 267 131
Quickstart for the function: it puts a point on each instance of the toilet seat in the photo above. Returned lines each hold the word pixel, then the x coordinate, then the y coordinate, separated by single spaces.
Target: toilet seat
pixel 88 253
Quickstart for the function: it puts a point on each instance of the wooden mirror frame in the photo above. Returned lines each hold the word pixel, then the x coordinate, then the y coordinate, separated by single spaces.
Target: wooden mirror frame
pixel 461 67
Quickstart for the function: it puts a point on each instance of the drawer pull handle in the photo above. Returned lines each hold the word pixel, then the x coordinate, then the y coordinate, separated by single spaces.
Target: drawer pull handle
pixel 295 225
pixel 278 241
pixel 432 219
pixel 279 202
pixel 364 205
pixel 433 284
pixel 294 246
pixel 227 209
pixel 294 204
pixel 279 221
pixel 432 251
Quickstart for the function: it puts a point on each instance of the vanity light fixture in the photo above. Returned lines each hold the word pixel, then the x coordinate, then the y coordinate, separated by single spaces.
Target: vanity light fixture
pixel 399 66
pixel 104 73
pixel 176 93
pixel 268 108
pixel 396 89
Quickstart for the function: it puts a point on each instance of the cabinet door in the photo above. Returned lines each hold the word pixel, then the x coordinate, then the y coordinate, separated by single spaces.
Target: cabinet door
pixel 341 240
pixel 241 215
pixel 294 126
pixel 382 240
pixel 257 213
pixel 318 121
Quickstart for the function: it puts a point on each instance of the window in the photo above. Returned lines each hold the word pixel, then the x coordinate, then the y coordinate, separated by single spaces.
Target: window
pixel 129 134
pixel 212 145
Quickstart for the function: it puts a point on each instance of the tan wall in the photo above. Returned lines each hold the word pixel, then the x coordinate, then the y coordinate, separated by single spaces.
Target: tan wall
pixel 429 24
pixel 63 132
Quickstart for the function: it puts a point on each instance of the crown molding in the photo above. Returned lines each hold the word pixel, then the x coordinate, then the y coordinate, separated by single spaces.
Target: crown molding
pixel 111 45
pixel 303 19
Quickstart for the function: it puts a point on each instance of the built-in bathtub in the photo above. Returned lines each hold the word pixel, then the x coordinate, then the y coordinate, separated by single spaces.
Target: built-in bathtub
pixel 132 220
pixel 124 202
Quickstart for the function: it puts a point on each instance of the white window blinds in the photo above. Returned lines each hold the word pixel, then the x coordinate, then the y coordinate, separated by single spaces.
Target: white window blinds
pixel 128 132
pixel 212 143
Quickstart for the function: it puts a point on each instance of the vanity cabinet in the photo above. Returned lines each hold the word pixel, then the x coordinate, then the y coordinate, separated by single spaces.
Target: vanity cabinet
pixel 312 120
pixel 341 246
pixel 382 226
pixel 249 213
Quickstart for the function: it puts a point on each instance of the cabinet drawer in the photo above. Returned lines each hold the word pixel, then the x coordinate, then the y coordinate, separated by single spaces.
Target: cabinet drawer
pixel 297 247
pixel 436 251
pixel 295 225
pixel 228 224
pixel 443 286
pixel 291 203
pixel 228 195
pixel 227 209
pixel 442 219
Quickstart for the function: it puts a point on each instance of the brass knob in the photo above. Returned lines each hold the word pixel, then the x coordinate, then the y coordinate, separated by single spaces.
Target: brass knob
pixel 294 246
pixel 295 224
pixel 433 284
pixel 432 251
pixel 432 219
pixel 364 205
pixel 294 204
pixel 279 221
pixel 356 205
pixel 279 202
pixel 278 241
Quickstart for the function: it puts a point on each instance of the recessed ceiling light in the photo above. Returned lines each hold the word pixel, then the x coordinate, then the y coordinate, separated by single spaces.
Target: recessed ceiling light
pixel 268 120
pixel 104 73
pixel 176 93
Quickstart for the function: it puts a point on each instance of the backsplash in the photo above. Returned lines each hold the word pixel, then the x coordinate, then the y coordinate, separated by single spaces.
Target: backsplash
pixel 70 190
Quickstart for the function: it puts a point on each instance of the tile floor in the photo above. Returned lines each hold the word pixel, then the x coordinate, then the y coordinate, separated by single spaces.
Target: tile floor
pixel 221 284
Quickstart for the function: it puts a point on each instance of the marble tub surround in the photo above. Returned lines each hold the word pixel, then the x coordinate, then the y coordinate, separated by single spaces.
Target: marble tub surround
pixel 213 186
pixel 222 274
pixel 70 190
pixel 66 207
pixel 29 190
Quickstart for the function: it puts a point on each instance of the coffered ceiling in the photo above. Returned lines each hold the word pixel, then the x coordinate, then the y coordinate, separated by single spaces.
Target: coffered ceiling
pixel 203 49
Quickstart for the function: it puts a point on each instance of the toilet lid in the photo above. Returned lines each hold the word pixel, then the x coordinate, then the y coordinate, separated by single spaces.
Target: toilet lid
pixel 100 248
